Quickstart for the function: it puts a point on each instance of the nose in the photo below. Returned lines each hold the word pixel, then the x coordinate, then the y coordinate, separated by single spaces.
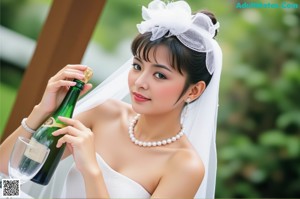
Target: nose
pixel 142 81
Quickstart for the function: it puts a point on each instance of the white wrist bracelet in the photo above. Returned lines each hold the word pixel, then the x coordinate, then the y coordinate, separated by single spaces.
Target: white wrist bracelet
pixel 27 128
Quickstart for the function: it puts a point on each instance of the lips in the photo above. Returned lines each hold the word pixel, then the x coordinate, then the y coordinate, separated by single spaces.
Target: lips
pixel 139 98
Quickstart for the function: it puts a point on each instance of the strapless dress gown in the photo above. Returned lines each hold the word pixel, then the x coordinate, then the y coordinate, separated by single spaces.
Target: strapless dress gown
pixel 118 185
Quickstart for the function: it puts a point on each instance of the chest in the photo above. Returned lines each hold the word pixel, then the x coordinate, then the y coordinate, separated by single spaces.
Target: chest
pixel 142 165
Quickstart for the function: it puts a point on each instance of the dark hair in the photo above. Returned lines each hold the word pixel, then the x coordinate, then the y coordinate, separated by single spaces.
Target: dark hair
pixel 182 58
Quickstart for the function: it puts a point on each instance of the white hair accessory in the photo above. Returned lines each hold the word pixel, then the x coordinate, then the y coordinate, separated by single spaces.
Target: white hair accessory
pixel 175 18
pixel 158 16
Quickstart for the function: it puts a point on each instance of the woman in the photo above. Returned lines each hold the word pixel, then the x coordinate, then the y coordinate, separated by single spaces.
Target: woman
pixel 161 145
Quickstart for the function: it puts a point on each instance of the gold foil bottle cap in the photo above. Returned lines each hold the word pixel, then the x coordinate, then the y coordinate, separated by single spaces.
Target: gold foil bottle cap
pixel 88 73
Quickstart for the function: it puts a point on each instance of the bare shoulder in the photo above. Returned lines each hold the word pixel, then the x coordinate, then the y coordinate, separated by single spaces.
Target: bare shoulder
pixel 187 160
pixel 183 168
pixel 110 110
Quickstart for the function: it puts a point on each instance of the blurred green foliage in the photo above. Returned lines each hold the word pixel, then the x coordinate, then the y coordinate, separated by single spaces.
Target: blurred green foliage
pixel 10 78
pixel 258 138
pixel 259 125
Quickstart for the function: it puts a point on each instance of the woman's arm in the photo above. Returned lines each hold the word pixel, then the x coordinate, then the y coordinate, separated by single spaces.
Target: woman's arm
pixel 94 184
pixel 34 120
pixel 55 91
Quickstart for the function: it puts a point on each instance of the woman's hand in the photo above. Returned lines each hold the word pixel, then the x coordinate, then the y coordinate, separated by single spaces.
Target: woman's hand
pixel 80 141
pixel 59 84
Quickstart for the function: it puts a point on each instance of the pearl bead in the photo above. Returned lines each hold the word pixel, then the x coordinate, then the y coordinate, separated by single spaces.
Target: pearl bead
pixel 150 144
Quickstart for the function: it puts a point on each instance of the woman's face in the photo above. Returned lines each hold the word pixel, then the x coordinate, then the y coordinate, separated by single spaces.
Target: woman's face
pixel 155 86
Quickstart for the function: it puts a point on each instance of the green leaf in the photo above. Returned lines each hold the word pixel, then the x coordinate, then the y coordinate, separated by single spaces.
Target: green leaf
pixel 273 138
pixel 293 146
pixel 286 119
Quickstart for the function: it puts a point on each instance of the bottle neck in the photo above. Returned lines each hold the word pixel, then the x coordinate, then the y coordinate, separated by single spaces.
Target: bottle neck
pixel 68 104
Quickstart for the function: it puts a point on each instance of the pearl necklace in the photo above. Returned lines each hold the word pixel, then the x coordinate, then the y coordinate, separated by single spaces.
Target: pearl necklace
pixel 150 144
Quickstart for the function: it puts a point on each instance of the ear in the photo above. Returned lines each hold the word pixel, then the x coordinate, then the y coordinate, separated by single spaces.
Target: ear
pixel 196 90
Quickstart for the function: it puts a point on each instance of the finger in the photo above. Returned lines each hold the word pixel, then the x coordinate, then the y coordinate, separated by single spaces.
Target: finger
pixel 68 74
pixel 72 122
pixel 66 139
pixel 74 67
pixel 61 83
pixel 70 71
pixel 77 66
pixel 86 88
pixel 70 130
pixel 70 148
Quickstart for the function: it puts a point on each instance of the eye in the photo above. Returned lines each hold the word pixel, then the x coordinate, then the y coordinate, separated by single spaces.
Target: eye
pixel 136 66
pixel 160 76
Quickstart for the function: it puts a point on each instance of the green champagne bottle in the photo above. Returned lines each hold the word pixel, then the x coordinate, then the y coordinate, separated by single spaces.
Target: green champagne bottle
pixel 43 135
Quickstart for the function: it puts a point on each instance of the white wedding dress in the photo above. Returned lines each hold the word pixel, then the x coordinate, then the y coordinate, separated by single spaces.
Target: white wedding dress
pixel 118 185
pixel 67 182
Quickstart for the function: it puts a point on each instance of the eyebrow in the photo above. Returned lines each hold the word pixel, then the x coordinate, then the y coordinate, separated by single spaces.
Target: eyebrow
pixel 155 65
pixel 162 66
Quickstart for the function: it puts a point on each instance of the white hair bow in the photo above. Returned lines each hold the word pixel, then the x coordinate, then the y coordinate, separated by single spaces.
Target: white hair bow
pixel 159 18
pixel 175 18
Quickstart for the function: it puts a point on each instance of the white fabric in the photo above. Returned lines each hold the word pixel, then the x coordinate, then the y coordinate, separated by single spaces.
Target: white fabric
pixel 200 127
pixel 118 185
pixel 159 18
pixel 194 31
pixel 113 87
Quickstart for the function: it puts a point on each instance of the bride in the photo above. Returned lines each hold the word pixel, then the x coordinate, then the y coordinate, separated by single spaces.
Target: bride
pixel 162 145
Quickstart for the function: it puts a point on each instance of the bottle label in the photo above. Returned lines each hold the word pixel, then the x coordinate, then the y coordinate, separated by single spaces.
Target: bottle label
pixel 36 151
pixel 52 123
